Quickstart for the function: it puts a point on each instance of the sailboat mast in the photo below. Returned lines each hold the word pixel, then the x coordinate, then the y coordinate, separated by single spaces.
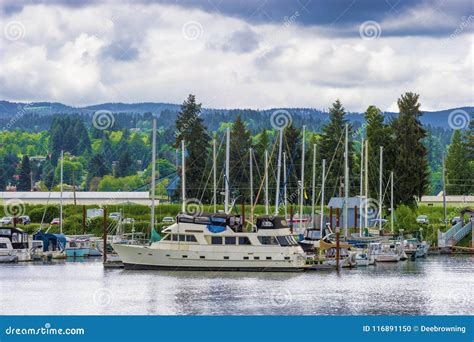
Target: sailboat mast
pixel 391 202
pixel 61 200
pixel 302 177
pixel 313 195
pixel 346 181
pixel 183 176
pixel 366 183
pixel 214 174
pixel 284 184
pixel 277 194
pixel 251 183
pixel 323 181
pixel 380 187
pixel 444 194
pixel 266 182
pixel 361 192
pixel 153 175
pixel 227 167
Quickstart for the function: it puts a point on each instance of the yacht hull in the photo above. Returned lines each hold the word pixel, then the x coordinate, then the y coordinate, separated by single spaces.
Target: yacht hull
pixel 141 257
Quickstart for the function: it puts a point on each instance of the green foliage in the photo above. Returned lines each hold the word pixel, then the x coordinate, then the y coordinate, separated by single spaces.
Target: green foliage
pixel 411 165
pixel 129 183
pixel 24 183
pixel 405 219
pixel 332 146
pixel 459 170
pixel 191 129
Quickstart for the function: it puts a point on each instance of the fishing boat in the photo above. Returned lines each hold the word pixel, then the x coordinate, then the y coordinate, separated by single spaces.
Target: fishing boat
pixel 7 254
pixel 77 247
pixel 19 241
pixel 218 242
pixel 386 252
pixel 53 244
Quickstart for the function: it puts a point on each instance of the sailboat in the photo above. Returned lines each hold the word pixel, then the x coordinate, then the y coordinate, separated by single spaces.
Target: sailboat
pixel 54 245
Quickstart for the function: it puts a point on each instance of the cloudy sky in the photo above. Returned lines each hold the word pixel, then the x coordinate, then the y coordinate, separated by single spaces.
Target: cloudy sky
pixel 247 53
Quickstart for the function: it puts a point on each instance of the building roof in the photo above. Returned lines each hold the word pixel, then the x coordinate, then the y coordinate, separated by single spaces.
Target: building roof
pixel 82 197
pixel 449 199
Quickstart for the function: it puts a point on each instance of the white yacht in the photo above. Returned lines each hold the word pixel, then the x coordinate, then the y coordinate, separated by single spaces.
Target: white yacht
pixel 218 242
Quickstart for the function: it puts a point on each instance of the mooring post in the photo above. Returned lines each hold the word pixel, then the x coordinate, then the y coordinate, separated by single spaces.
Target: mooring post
pixel 337 218
pixel 338 233
pixel 330 217
pixel 104 253
pixel 291 218
pixel 243 216
pixel 355 216
pixel 84 219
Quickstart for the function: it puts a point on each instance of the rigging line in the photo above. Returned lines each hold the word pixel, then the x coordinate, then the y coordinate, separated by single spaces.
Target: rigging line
pixel 211 172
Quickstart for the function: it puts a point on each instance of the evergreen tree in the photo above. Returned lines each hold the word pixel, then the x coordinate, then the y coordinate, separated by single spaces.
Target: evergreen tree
pixel 240 142
pixel 98 167
pixel 458 173
pixel 292 143
pixel 47 173
pixel 191 129
pixel 411 166
pixel 3 180
pixel 332 148
pixel 24 182
pixel 379 134
pixel 124 166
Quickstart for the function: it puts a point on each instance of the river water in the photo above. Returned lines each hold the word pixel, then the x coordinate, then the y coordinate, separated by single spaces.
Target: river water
pixel 437 285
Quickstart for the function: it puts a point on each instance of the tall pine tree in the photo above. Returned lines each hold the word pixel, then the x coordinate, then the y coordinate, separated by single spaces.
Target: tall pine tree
pixel 24 182
pixel 332 148
pixel 240 142
pixel 191 129
pixel 379 134
pixel 411 165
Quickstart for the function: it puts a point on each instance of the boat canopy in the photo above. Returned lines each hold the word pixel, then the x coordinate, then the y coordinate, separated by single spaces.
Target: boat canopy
pixel 271 222
pixel 57 241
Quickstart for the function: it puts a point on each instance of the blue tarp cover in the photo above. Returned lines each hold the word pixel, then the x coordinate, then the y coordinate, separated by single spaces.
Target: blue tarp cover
pixel 215 229
pixel 58 241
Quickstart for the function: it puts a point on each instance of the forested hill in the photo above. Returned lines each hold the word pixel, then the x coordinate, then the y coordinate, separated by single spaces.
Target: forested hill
pixel 39 115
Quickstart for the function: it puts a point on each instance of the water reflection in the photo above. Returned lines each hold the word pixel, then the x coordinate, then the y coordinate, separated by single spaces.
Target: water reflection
pixel 436 285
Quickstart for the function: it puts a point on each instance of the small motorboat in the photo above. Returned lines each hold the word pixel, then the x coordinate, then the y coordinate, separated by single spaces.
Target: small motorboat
pixel 387 252
pixel 7 254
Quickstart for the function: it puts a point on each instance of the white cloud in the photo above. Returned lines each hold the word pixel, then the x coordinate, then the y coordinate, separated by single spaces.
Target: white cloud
pixel 135 53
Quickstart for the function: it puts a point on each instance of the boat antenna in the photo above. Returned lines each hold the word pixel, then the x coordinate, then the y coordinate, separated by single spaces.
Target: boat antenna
pixel 346 181
pixel 227 167
pixel 61 195
pixel 153 175
pixel 266 182
pixel 183 176
pixel 251 183
pixel 380 187
pixel 323 184
pixel 277 194
pixel 302 178
pixel 214 173
pixel 313 195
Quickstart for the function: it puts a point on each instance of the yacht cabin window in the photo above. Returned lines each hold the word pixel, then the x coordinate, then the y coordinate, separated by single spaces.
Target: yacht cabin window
pixel 243 240
pixel 3 245
pixel 230 240
pixel 268 240
pixel 216 240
